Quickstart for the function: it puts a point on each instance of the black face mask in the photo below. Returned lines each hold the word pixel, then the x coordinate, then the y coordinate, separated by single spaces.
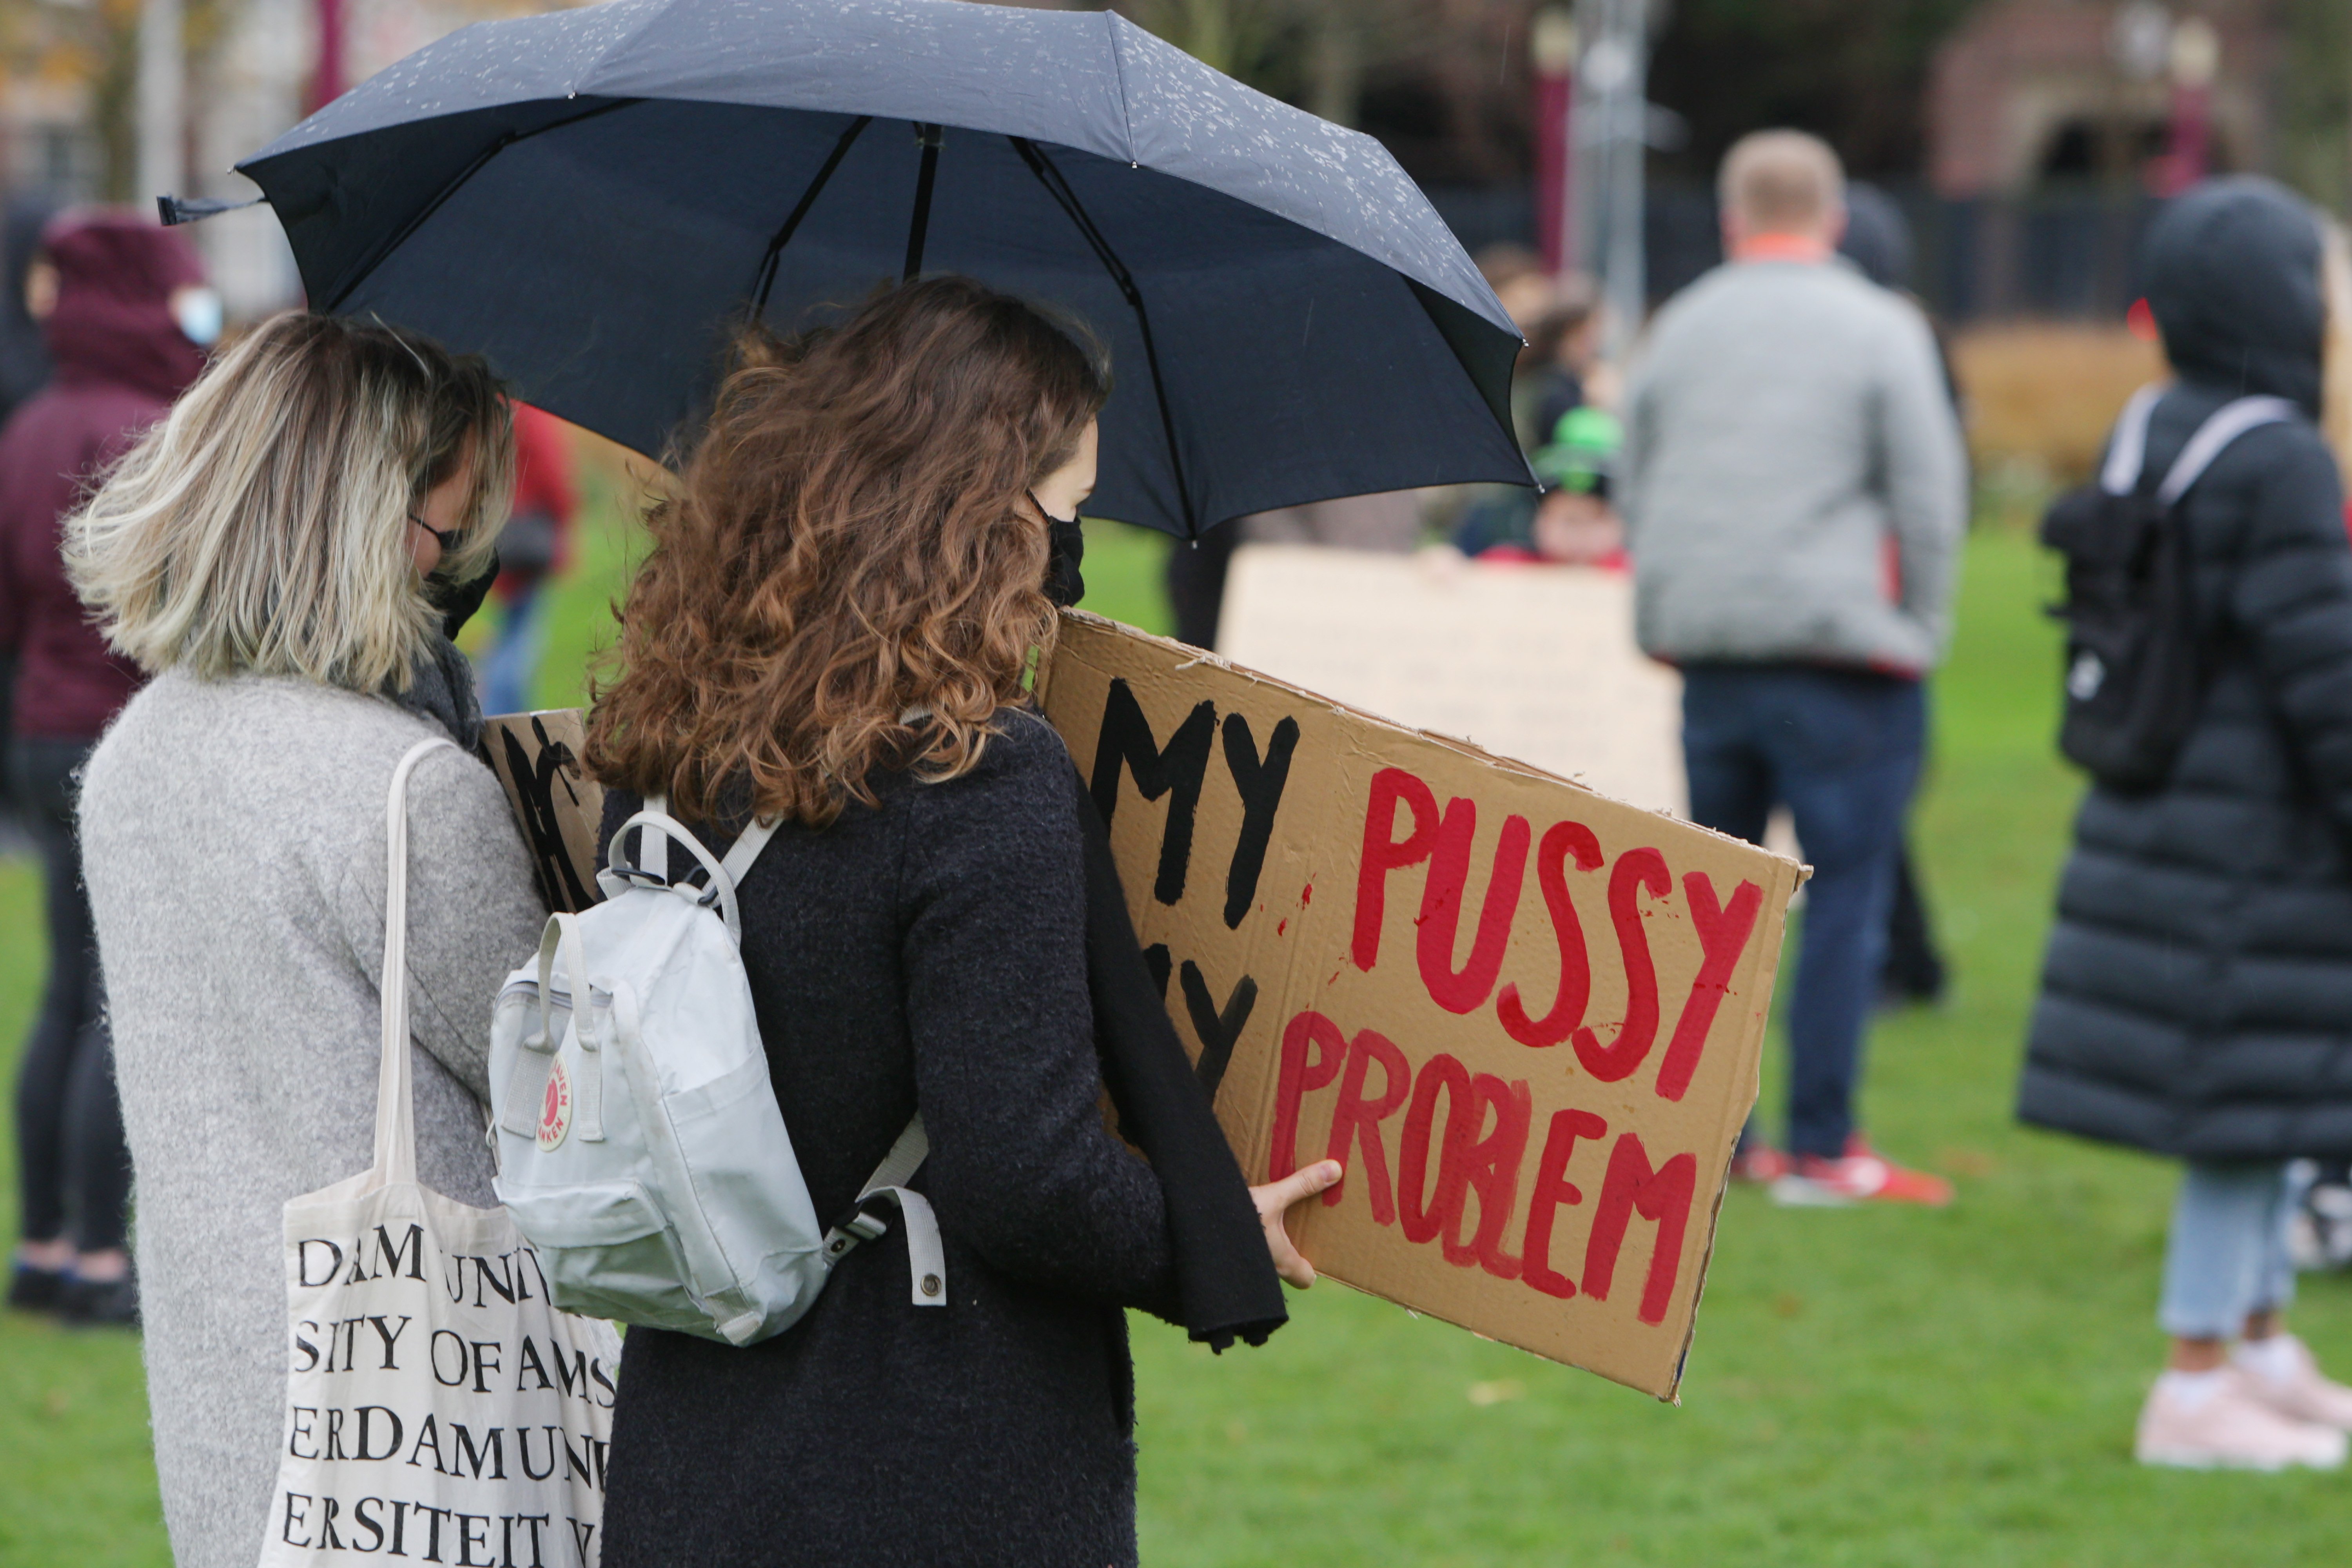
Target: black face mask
pixel 459 601
pixel 1064 583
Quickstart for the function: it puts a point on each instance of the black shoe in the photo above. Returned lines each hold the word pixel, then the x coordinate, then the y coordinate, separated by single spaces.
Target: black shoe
pixel 31 1289
pixel 102 1303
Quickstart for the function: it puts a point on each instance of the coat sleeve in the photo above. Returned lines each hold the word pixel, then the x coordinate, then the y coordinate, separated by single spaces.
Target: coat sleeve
pixel 1923 469
pixel 1021 1168
pixel 474 912
pixel 2291 599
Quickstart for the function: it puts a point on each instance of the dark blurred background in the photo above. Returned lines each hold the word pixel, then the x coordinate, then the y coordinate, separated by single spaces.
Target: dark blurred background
pixel 2026 140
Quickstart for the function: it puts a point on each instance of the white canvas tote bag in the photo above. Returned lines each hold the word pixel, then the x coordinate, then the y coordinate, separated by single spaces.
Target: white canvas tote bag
pixel 439 1409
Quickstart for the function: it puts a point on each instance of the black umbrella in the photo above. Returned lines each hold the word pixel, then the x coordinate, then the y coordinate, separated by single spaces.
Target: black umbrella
pixel 589 197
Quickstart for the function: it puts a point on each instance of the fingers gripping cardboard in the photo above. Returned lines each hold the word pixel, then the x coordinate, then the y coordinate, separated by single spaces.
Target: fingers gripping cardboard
pixel 1526 1016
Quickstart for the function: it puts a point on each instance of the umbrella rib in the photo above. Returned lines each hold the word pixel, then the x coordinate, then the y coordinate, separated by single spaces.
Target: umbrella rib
pixel 918 228
pixel 784 236
pixel 1067 199
pixel 457 182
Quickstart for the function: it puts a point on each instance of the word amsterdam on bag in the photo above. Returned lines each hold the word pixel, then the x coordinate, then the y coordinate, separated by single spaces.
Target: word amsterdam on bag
pixel 439 1409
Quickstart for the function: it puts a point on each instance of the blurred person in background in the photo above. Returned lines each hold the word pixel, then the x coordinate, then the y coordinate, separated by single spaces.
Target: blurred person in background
pixel 24 371
pixel 1793 495
pixel 2197 993
pixel 28 286
pixel 126 330
pixel 1877 238
pixel 1568 432
pixel 1573 522
pixel 531 551
pixel 1562 369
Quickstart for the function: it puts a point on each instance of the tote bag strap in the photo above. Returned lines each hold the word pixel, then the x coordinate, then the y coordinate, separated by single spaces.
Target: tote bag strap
pixel 395 1114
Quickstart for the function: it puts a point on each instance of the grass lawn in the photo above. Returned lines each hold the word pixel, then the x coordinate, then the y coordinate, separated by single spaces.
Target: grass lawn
pixel 1866 1388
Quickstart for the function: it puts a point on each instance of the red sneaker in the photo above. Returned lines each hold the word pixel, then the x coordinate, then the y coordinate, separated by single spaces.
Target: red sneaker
pixel 1860 1176
pixel 1760 1163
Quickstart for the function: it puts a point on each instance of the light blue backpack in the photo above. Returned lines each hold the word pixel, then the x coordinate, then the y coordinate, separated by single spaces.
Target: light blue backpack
pixel 640 1147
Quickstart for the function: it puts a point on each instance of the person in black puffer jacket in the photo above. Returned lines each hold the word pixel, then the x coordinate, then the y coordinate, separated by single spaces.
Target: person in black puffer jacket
pixel 830 631
pixel 2197 993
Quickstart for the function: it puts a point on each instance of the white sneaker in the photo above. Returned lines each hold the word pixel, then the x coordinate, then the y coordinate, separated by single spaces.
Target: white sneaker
pixel 2229 1429
pixel 2302 1394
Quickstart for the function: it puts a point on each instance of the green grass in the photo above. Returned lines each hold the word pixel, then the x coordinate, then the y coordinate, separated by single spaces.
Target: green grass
pixel 1867 1388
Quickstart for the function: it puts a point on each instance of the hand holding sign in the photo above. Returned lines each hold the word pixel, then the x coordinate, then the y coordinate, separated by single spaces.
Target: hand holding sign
pixel 1275 1201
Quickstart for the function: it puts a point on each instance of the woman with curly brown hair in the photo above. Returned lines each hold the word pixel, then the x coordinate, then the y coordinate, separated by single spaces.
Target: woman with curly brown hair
pixel 832 632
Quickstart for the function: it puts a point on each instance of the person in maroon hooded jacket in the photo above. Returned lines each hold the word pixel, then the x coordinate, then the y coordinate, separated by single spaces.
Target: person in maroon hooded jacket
pixel 126 332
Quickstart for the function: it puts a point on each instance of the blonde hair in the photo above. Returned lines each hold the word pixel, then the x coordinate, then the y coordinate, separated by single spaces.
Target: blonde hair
pixel 262 526
pixel 1781 181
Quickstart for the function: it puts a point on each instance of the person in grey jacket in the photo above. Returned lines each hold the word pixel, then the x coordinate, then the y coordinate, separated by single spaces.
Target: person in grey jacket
pixel 1794 494
pixel 265 555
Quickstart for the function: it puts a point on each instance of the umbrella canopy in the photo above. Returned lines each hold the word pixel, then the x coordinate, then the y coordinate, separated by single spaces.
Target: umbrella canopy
pixel 591 197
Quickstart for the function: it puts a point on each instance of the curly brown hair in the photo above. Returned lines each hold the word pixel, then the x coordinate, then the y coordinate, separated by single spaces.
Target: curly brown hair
pixel 852 538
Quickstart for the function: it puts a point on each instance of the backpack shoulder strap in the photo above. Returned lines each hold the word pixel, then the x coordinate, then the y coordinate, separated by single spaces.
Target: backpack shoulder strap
pixel 746 849
pixel 2224 425
pixel 653 852
pixel 2127 448
pixel 925 1257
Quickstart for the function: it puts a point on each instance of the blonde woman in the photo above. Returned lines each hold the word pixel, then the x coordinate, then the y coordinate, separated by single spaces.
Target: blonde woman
pixel 270 555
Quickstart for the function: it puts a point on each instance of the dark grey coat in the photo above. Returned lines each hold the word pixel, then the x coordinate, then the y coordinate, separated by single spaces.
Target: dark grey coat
pixel 928 953
pixel 2196 994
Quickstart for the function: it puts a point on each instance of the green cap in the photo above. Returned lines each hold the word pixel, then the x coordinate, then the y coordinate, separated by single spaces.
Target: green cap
pixel 1582 447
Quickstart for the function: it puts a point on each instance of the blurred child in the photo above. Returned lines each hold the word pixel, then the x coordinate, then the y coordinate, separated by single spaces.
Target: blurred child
pixel 530 552
pixel 1573 523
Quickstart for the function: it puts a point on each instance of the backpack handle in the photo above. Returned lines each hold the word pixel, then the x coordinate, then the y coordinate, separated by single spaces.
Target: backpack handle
pixel 721 890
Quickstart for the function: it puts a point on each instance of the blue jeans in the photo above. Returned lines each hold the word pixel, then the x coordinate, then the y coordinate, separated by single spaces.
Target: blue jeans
pixel 511 666
pixel 1840 749
pixel 2228 1253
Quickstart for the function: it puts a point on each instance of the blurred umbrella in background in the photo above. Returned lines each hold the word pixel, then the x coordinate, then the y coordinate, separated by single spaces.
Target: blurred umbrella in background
pixel 592 198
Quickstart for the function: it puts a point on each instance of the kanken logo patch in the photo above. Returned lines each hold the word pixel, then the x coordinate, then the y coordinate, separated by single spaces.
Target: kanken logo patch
pixel 555 1110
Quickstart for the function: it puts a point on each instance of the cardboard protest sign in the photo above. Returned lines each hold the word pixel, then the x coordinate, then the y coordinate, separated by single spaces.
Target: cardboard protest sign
pixel 557 804
pixel 1526 1016
pixel 1535 662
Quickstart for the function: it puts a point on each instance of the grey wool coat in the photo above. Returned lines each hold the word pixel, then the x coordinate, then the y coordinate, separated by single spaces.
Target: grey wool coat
pixel 233 842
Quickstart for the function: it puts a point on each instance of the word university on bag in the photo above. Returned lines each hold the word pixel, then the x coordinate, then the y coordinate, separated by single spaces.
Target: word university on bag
pixel 440 1408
